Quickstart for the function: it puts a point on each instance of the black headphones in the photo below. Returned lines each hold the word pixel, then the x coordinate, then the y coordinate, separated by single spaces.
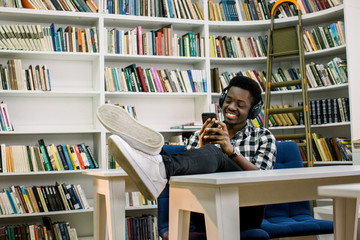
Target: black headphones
pixel 254 110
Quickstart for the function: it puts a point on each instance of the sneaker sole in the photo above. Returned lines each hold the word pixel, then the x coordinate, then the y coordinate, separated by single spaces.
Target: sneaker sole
pixel 124 158
pixel 118 121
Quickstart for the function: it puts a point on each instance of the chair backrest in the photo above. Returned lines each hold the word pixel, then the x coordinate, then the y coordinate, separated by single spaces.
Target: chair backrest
pixel 288 156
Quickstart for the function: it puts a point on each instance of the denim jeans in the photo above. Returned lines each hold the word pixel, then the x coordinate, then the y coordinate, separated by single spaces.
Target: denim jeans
pixel 210 159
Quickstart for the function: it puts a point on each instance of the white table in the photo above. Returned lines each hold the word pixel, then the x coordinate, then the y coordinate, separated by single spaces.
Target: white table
pixel 345 207
pixel 109 203
pixel 219 195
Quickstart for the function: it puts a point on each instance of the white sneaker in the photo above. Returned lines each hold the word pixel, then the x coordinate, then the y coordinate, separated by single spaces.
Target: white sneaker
pixel 118 121
pixel 146 171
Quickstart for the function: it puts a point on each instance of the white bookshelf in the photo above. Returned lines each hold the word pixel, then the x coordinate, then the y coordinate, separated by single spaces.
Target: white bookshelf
pixel 67 114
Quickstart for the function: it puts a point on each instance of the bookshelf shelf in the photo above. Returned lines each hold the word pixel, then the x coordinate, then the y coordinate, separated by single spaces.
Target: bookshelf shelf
pixel 238 60
pixel 169 130
pixel 53 93
pixel 330 163
pixel 154 59
pixel 140 208
pixel 53 213
pixel 156 95
pixel 46 55
pixel 314 90
pixel 43 173
pixel 83 18
pixel 52 131
pixel 150 22
pixel 335 51
pixel 326 52
pixel 313 126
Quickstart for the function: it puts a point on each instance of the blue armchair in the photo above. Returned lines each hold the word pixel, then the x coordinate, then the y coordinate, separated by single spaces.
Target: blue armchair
pixel 292 219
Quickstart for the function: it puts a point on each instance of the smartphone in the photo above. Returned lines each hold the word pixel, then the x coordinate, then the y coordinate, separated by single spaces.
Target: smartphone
pixel 211 115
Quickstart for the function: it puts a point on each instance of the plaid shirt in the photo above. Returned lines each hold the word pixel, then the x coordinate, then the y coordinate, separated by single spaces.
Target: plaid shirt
pixel 257 145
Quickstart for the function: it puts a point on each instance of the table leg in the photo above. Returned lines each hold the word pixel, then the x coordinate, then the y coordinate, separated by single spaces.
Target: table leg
pixel 222 220
pixel 345 218
pixel 220 207
pixel 99 216
pixel 109 205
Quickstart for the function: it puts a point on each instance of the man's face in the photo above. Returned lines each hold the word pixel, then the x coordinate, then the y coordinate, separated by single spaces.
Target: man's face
pixel 236 106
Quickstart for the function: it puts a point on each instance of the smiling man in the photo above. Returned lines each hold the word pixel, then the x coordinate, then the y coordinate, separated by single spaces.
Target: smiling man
pixel 232 146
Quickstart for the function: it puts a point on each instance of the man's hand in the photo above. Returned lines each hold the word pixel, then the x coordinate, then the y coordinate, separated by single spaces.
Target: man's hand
pixel 217 135
pixel 203 132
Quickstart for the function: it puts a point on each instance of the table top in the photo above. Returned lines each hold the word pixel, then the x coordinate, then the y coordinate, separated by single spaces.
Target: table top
pixel 225 178
pixel 107 173
pixel 341 190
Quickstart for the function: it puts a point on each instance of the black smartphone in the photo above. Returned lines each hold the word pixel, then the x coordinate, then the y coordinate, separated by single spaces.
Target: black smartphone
pixel 207 115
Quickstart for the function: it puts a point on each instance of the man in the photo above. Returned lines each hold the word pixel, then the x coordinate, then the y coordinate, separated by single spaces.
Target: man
pixel 232 146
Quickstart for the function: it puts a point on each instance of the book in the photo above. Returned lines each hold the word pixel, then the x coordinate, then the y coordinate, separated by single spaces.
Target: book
pixel 45 155
pixel 73 156
pixel 68 165
pixel 78 156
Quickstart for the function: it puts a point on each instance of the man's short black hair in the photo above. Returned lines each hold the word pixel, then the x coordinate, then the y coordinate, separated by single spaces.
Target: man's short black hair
pixel 248 84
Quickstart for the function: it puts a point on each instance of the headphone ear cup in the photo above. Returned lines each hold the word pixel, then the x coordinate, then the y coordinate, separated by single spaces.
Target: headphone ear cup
pixel 254 112
pixel 223 96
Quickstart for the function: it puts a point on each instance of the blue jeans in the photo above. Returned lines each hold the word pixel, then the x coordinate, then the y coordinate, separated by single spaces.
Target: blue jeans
pixel 210 159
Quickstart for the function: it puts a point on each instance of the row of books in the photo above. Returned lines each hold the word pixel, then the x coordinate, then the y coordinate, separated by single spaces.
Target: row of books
pixel 225 10
pixel 221 81
pixel 45 231
pixel 330 110
pixel 260 9
pixel 247 47
pixel 138 79
pixel 331 149
pixel 144 227
pixel 36 199
pixel 332 73
pixel 22 158
pixel 237 47
pixel 5 121
pixel 318 75
pixel 160 42
pixel 60 5
pixel 182 9
pixel 322 111
pixel 134 199
pixel 38 38
pixel 324 37
pixel 14 77
pixel 235 10
pixel 283 119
